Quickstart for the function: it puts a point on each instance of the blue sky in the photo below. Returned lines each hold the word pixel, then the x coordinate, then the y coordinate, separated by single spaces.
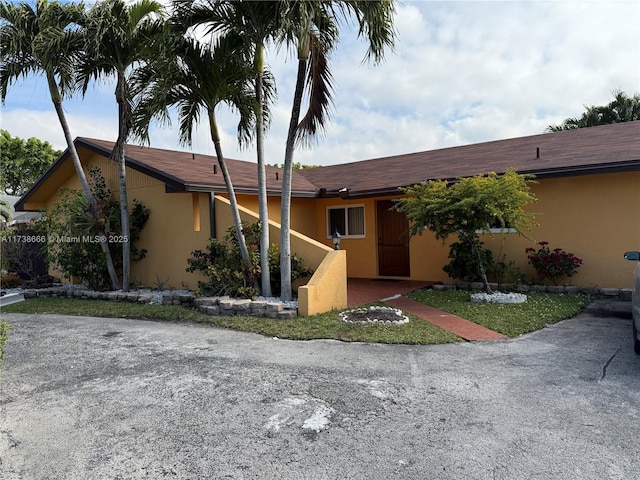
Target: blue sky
pixel 461 73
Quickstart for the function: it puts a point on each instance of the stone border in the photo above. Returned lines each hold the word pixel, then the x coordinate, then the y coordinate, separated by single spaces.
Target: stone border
pixel 226 306
pixel 612 293
pixel 220 306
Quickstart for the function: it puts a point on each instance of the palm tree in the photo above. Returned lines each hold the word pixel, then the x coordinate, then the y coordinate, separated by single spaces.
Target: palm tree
pixel 312 29
pixel 256 23
pixel 623 108
pixel 199 78
pixel 118 36
pixel 48 41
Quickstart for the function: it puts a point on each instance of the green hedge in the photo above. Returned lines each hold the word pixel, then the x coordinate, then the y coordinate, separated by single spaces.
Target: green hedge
pixel 4 329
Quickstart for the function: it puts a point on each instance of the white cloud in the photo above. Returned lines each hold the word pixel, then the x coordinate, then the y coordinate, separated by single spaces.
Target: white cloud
pixel 44 125
pixel 462 72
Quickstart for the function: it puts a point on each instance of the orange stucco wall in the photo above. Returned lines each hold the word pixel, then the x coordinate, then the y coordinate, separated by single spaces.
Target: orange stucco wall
pixel 427 254
pixel 302 212
pixel 168 236
pixel 593 216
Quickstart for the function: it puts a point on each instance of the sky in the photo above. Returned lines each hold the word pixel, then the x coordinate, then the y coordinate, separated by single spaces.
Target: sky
pixel 462 72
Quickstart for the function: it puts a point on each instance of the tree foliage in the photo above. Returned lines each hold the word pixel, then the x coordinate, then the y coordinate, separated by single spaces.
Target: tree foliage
pixel 46 38
pixel 118 37
pixel 311 29
pixel 622 108
pixel 468 207
pixel 73 230
pixel 23 162
pixel 5 211
pixel 257 23
pixel 229 274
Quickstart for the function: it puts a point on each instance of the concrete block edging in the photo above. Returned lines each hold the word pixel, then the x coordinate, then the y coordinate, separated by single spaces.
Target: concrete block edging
pixel 613 293
pixel 210 305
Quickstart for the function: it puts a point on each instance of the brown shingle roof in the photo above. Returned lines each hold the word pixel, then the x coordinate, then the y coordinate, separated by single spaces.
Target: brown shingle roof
pixel 609 148
pixel 195 172
pixel 576 152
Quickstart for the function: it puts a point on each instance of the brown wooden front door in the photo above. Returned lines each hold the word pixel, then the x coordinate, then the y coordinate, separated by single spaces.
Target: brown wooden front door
pixel 393 241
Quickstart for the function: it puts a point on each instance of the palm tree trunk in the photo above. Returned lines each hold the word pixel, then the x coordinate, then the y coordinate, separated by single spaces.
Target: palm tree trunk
pixel 124 116
pixel 104 245
pixel 285 212
pixel 235 212
pixel 263 208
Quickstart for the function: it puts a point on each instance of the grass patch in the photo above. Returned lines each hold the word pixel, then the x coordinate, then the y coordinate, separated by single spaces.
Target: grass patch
pixel 327 325
pixel 512 320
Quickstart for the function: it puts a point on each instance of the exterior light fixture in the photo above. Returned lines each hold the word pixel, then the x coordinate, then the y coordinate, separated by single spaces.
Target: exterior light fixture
pixel 336 240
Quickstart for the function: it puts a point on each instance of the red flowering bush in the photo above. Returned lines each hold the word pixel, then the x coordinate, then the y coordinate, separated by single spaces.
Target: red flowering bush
pixel 553 265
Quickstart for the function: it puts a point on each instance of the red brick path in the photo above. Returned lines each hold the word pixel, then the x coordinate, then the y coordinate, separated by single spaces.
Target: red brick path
pixel 461 327
pixel 362 291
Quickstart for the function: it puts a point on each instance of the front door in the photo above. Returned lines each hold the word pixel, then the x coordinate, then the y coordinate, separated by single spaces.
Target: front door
pixel 393 241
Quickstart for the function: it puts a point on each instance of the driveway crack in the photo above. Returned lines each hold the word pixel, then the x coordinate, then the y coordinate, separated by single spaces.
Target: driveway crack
pixel 606 365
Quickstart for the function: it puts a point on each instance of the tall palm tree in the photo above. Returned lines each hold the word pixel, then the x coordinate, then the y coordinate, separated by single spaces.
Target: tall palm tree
pixel 120 36
pixel 312 28
pixel 47 40
pixel 200 78
pixel 257 23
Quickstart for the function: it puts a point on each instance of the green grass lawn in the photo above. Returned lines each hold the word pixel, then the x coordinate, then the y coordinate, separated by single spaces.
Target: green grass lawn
pixel 327 325
pixel 512 320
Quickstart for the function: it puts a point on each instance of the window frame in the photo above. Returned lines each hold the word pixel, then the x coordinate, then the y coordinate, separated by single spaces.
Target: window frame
pixel 345 208
pixel 494 230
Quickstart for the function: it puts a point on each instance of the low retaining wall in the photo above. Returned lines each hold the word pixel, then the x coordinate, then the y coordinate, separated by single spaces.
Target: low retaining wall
pixel 620 293
pixel 222 306
pixel 226 306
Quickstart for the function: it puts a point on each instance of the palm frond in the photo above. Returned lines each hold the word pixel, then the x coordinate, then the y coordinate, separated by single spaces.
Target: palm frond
pixel 319 80
pixel 197 79
pixel 375 22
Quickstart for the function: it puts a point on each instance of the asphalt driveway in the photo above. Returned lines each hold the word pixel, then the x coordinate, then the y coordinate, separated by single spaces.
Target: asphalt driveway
pixel 90 398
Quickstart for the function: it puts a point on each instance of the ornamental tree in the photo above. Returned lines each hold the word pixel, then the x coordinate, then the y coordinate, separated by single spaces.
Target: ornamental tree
pixel 469 206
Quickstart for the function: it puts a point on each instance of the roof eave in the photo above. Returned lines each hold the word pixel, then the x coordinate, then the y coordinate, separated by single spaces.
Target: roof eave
pixel 556 172
pixel 19 205
pixel 202 188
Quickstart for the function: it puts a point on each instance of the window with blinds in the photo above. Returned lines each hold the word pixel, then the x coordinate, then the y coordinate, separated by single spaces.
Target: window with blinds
pixel 348 221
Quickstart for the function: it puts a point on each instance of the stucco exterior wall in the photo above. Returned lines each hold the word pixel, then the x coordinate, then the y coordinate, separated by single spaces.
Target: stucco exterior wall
pixel 327 289
pixel 302 212
pixel 169 234
pixel 427 255
pixel 594 217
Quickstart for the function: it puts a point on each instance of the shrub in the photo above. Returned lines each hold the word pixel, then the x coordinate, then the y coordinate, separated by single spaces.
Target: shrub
pixel 553 265
pixel 10 280
pixel 72 230
pixel 464 265
pixel 228 274
pixel 22 253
